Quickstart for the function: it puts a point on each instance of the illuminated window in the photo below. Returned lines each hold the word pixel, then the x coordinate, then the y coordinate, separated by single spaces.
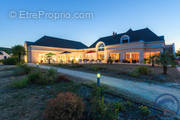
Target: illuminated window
pixel 132 57
pixel 148 55
pixel 125 39
pixel 115 56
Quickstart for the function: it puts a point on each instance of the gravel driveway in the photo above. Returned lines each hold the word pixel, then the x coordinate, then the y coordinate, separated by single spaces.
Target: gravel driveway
pixel 142 89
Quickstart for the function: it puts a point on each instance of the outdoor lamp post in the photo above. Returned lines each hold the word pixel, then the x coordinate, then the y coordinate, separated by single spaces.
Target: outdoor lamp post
pixel 98 79
pixel 37 64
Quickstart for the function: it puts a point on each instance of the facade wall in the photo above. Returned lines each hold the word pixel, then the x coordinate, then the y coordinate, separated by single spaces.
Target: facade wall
pixel 35 53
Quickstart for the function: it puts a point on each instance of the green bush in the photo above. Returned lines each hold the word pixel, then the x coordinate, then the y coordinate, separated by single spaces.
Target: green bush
pixel 22 69
pixel 97 68
pixel 62 65
pixel 19 83
pixel 10 61
pixel 134 74
pixel 42 78
pixel 51 74
pixel 66 106
pixel 144 111
pixel 36 77
pixel 120 106
pixel 98 109
pixel 128 105
pixel 109 61
pixel 76 66
pixel 143 70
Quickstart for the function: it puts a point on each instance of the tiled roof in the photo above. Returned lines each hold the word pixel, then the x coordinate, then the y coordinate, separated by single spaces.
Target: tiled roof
pixel 29 43
pixel 145 35
pixel 58 42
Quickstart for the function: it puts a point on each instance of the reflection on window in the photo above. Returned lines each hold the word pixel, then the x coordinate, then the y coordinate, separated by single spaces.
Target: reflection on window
pixel 101 47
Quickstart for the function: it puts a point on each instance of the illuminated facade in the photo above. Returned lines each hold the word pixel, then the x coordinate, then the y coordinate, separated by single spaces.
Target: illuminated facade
pixel 129 47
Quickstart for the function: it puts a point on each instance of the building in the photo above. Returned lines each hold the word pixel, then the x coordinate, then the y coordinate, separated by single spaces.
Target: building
pixel 3 55
pixel 133 46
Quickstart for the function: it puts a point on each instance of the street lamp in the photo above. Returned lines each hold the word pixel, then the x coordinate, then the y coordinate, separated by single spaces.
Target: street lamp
pixel 98 79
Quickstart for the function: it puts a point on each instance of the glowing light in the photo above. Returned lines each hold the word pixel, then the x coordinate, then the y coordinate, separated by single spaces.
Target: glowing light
pixel 98 75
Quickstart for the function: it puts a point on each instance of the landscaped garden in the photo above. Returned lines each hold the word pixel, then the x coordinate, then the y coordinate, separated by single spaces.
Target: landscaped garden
pixel 39 94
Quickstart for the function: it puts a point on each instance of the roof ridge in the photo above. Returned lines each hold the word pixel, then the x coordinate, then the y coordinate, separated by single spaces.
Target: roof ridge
pixel 59 38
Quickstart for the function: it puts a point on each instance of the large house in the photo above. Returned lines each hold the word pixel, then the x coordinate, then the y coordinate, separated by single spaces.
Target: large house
pixel 133 46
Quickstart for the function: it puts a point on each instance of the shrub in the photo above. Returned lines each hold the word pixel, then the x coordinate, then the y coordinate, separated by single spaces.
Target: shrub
pixel 134 74
pixel 22 69
pixel 144 111
pixel 66 106
pixel 10 61
pixel 27 69
pixel 62 65
pixel 19 83
pixel 98 109
pixel 120 106
pixel 38 77
pixel 76 66
pixel 97 68
pixel 143 70
pixel 35 77
pixel 62 78
pixel 128 104
pixel 109 61
pixel 51 74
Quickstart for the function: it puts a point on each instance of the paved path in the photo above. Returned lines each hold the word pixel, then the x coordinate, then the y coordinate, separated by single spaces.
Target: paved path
pixel 142 89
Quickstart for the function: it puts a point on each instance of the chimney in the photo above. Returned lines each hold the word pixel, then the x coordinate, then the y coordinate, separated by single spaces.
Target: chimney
pixel 114 33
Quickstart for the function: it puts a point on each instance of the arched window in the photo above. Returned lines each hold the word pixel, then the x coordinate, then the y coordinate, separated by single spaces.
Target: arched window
pixel 101 47
pixel 125 39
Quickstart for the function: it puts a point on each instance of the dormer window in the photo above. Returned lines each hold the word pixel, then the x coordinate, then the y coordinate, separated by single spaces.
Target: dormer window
pixel 101 47
pixel 125 39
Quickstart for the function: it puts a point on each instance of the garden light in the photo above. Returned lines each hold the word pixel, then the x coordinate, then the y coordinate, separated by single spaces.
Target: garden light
pixel 37 64
pixel 98 79
pixel 98 75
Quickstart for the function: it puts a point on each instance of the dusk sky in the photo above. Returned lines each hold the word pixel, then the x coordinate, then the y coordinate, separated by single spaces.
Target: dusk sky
pixel 161 16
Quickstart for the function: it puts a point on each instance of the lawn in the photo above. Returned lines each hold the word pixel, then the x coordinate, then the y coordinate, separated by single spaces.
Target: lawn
pixel 28 102
pixel 126 71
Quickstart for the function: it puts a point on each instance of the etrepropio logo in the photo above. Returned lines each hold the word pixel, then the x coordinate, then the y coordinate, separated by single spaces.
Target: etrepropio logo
pixel 168 101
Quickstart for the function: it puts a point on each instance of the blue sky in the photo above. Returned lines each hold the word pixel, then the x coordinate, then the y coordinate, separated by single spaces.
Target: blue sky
pixel 161 16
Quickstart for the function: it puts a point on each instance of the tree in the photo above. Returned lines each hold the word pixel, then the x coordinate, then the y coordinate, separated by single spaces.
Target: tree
pixel 178 52
pixel 49 57
pixel 109 61
pixel 18 51
pixel 152 60
pixel 166 59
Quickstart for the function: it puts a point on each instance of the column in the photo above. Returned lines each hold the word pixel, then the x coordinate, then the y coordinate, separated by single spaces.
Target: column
pixel 141 56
